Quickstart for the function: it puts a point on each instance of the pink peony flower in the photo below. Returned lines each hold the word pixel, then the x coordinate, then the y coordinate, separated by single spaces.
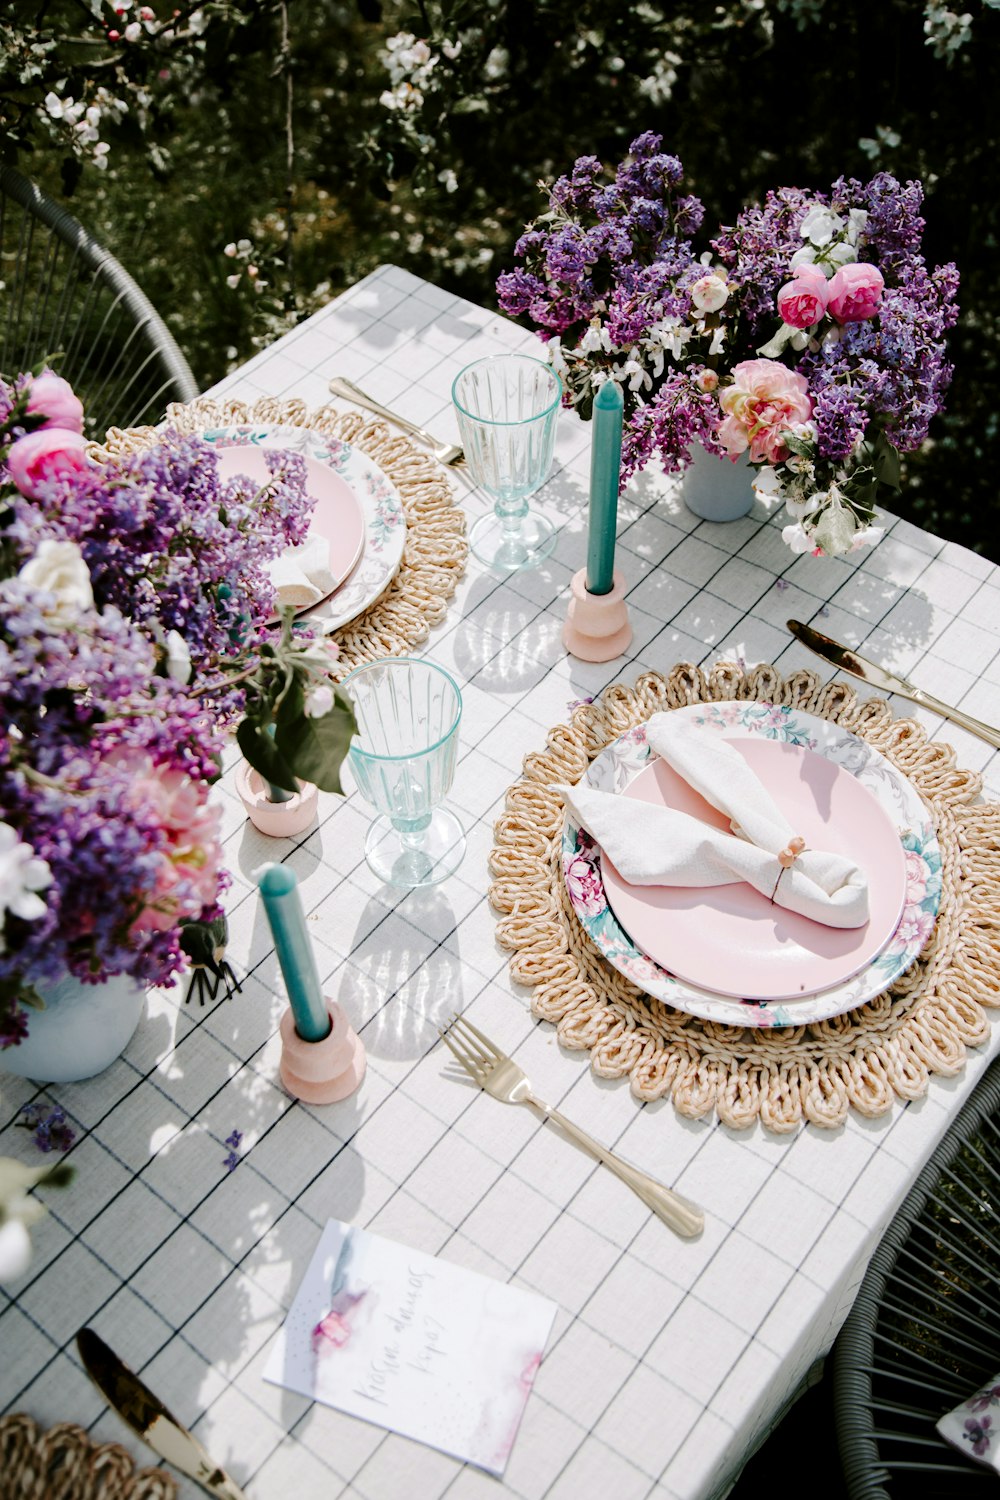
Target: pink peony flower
pixel 54 398
pixel 585 888
pixel 916 878
pixel 188 866
pixel 855 292
pixel 915 927
pixel 802 302
pixel 763 403
pixel 40 457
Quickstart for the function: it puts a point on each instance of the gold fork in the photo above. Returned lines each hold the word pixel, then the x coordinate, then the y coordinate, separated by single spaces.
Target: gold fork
pixel 501 1077
pixel 449 454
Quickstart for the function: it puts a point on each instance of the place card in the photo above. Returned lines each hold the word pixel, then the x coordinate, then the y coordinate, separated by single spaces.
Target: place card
pixel 414 1344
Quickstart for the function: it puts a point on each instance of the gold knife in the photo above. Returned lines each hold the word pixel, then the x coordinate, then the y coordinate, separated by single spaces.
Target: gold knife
pixel 886 681
pixel 146 1415
pixel 449 454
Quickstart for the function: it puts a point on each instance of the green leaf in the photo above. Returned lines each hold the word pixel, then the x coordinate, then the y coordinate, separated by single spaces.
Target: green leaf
pixel 265 755
pixel 886 462
pixel 317 747
pixel 59 1176
pixel 797 445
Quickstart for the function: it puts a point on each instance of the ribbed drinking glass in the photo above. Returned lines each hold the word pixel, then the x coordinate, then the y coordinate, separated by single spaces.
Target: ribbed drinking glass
pixel 507 407
pixel 403 758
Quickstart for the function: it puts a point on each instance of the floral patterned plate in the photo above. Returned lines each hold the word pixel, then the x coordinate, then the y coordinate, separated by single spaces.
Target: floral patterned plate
pixel 381 512
pixel 623 760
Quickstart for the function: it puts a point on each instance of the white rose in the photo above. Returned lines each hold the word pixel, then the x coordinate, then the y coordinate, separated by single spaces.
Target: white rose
pixel 710 292
pixel 58 568
pixel 178 657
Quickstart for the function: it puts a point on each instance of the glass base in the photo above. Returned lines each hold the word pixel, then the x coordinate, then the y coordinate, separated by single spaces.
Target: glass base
pixel 397 862
pixel 507 551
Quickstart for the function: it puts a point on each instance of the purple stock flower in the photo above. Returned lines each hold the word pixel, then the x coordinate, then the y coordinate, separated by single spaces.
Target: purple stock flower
pixel 611 279
pixel 51 1130
pixel 104 769
pixel 174 546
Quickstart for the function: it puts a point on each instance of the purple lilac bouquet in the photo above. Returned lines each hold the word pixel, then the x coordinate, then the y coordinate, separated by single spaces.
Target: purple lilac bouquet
pixel 135 631
pixel 810 337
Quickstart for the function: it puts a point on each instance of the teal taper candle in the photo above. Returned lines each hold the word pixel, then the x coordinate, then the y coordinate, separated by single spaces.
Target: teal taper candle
pixel 283 905
pixel 605 469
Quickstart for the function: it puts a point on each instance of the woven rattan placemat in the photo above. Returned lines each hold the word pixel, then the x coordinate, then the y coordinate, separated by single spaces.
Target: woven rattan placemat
pixel 817 1072
pixel 63 1463
pixel 436 548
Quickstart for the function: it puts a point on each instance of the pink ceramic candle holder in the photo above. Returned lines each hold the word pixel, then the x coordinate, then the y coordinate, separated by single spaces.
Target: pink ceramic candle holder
pixel 276 819
pixel 597 626
pixel 325 1071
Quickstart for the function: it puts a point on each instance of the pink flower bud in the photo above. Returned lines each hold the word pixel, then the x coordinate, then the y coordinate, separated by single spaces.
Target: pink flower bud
pixel 855 292
pixel 802 302
pixel 53 398
pixel 706 380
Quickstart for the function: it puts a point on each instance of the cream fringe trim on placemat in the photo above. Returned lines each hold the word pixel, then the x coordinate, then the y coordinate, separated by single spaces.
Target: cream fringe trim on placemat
pixel 65 1464
pixel 436 548
pixel 863 1060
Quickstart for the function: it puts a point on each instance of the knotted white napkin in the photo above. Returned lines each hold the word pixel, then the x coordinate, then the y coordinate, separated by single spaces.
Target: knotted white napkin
pixel 652 845
pixel 301 575
pixel 973 1427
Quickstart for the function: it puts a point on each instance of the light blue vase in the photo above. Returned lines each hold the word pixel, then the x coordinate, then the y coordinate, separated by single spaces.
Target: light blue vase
pixel 716 489
pixel 81 1031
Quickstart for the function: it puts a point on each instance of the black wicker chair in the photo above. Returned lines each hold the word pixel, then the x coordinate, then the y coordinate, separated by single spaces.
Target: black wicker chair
pixel 924 1332
pixel 63 293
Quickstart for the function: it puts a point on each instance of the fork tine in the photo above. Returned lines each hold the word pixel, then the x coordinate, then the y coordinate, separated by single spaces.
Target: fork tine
pixel 469 1062
pixel 491 1047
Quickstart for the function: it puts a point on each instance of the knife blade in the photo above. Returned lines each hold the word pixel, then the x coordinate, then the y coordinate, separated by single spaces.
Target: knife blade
pixel 146 1414
pixel 849 661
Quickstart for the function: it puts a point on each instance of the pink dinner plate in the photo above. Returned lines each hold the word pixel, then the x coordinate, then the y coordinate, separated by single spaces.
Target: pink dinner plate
pixel 337 516
pixel 732 940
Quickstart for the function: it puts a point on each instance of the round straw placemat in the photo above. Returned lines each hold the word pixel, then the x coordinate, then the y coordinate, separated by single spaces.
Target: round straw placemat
pixel 63 1463
pixel 863 1060
pixel 436 547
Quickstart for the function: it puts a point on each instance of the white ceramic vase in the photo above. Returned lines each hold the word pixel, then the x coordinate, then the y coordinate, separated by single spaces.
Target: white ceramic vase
pixel 81 1031
pixel 716 489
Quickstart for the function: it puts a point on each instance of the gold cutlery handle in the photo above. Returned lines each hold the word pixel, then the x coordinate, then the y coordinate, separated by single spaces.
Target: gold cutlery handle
pixel 340 386
pixel 958 716
pixel 684 1218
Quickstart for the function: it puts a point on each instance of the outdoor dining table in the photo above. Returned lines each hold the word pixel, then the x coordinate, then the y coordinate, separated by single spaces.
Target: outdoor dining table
pixel 669 1359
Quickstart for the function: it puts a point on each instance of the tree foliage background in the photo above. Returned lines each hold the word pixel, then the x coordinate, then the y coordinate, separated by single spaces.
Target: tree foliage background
pixel 319 138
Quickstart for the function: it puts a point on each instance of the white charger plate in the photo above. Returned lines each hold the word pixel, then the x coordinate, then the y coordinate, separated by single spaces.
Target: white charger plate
pixel 629 755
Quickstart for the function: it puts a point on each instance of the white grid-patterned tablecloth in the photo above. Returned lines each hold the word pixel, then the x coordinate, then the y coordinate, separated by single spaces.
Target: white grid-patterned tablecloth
pixel 668 1359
